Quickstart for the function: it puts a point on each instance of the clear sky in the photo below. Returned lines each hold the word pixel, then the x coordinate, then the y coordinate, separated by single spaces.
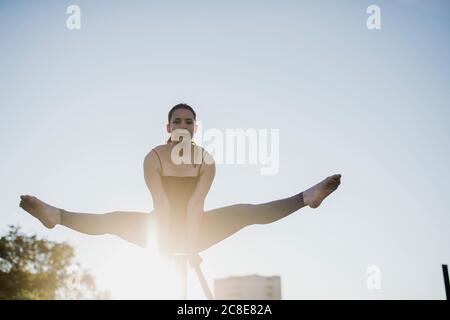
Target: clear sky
pixel 80 109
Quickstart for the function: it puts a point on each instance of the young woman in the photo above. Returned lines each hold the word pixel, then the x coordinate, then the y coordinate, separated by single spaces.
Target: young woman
pixel 178 192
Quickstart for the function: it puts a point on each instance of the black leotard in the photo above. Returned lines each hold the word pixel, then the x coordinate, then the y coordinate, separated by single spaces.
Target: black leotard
pixel 178 190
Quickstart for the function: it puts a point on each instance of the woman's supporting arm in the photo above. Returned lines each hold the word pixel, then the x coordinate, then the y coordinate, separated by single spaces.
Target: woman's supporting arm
pixel 195 207
pixel 161 204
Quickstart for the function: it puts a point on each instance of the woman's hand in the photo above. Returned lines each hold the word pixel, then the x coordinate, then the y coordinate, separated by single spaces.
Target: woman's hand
pixel 195 260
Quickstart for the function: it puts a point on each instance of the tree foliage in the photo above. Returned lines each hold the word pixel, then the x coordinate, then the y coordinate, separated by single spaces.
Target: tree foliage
pixel 33 268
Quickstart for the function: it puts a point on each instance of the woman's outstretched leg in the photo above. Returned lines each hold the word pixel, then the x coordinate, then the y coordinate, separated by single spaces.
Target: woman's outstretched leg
pixel 130 226
pixel 218 224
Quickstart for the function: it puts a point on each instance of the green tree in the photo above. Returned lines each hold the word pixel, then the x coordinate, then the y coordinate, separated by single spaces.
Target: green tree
pixel 33 268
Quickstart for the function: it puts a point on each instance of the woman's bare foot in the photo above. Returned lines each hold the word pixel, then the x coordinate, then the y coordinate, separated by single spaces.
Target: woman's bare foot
pixel 314 196
pixel 48 215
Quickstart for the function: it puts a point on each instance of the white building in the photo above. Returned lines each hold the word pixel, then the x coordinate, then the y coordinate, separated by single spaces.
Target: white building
pixel 252 287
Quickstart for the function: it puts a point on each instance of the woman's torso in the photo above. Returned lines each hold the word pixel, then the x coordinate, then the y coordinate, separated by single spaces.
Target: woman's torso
pixel 179 183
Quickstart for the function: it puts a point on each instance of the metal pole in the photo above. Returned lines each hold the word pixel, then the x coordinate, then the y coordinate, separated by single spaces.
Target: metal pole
pixel 181 264
pixel 203 282
pixel 446 281
pixel 181 267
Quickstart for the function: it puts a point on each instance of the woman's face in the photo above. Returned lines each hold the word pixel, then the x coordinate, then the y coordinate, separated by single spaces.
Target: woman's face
pixel 182 119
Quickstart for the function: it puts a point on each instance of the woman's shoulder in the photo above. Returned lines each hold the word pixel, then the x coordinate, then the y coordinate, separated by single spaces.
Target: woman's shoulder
pixel 160 147
pixel 154 154
pixel 161 150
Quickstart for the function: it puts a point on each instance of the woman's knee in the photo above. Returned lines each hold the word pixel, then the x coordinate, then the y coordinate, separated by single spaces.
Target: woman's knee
pixel 246 207
pixel 110 222
pixel 250 214
pixel 256 214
